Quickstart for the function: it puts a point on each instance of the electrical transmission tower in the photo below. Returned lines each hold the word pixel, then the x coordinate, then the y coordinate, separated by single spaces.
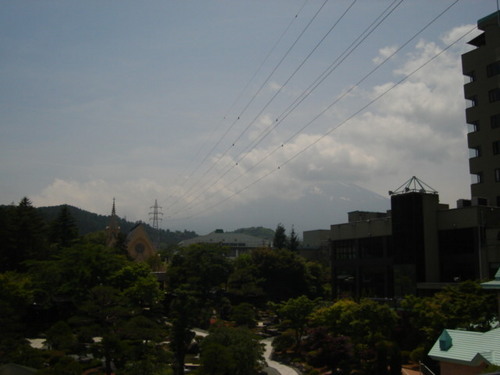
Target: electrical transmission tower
pixel 156 221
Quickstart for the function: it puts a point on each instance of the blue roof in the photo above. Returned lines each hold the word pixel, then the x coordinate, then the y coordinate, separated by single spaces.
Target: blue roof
pixel 467 347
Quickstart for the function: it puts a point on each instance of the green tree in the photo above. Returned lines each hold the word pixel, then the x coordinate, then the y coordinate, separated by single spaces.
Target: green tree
pixel 104 314
pixel 230 351
pixel 8 261
pixel 465 306
pixel 293 242
pixel 281 274
pixel 294 314
pixel 367 321
pixel 16 296
pixel 61 337
pixel 322 348
pixel 195 279
pixel 244 315
pixel 280 239
pixel 27 237
pixel 245 283
pixel 370 326
pixel 71 274
pixel 139 284
pixel 202 268
pixel 183 315
pixel 63 230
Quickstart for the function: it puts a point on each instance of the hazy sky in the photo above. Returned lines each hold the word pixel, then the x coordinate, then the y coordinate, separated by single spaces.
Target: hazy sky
pixel 201 104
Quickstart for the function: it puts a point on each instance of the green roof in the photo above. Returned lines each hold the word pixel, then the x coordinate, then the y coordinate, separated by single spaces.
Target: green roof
pixel 467 347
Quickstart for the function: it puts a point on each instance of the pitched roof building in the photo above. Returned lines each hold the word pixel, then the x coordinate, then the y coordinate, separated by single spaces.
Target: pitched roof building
pixel 466 352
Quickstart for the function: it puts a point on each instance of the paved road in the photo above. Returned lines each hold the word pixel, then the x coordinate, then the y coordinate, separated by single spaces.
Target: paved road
pixel 281 368
pixel 276 368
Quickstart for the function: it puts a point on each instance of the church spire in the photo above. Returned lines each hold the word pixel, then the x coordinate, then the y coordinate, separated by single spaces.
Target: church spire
pixel 113 229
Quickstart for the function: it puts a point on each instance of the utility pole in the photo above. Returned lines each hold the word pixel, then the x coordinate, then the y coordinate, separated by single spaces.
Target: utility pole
pixel 156 219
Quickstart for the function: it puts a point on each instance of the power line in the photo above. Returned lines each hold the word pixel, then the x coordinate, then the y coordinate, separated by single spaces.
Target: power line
pixel 278 91
pixel 365 33
pixel 355 44
pixel 300 152
pixel 290 48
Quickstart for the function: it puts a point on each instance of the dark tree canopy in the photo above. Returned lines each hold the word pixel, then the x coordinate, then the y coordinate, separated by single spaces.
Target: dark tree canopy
pixel 231 351
pixel 280 240
pixel 63 230
pixel 293 243
pixel 23 236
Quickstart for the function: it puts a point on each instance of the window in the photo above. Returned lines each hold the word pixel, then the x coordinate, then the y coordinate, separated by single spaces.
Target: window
pixel 496 147
pixel 477 178
pixel 493 69
pixel 473 126
pixel 495 121
pixel 474 152
pixel 497 175
pixel 494 95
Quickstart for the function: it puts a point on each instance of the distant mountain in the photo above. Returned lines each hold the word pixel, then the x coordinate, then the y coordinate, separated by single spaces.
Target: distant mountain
pixel 261 232
pixel 88 222
pixel 318 207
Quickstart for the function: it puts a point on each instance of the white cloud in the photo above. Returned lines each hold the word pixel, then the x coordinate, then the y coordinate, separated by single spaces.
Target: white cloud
pixel 417 128
pixel 383 54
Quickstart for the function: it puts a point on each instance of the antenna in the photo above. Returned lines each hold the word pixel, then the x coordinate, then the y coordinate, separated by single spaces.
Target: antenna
pixel 156 219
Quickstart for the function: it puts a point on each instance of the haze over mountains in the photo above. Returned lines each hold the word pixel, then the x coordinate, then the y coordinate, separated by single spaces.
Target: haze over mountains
pixel 316 208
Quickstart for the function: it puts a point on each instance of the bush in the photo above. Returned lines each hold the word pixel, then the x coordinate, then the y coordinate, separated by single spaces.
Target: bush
pixel 417 355
pixel 284 341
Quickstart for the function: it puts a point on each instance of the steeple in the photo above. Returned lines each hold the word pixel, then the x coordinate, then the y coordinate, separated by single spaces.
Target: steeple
pixel 113 229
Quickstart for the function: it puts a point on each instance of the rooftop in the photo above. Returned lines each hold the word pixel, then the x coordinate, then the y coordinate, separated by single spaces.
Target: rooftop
pixel 467 347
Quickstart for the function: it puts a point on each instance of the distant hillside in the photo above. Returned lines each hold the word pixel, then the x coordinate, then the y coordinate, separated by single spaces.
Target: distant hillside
pixel 261 232
pixel 89 222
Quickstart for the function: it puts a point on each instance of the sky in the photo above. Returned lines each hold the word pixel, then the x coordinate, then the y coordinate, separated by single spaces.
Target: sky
pixel 217 109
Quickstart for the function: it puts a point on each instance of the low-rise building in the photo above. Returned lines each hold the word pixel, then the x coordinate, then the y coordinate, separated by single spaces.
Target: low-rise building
pixel 237 243
pixel 466 352
pixel 417 246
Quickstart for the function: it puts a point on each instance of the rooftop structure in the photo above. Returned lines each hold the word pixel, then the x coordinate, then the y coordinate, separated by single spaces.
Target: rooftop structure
pixel 466 352
pixel 416 247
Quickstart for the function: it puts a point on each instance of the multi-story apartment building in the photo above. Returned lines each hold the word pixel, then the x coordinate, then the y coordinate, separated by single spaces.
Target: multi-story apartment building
pixel 481 67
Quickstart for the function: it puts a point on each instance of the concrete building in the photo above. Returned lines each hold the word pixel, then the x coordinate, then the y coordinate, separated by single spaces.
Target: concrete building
pixel 416 247
pixel 237 243
pixel 481 67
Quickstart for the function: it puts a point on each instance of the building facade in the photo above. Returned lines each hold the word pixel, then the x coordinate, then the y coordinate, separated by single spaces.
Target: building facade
pixel 416 247
pixel 481 67
pixel 236 243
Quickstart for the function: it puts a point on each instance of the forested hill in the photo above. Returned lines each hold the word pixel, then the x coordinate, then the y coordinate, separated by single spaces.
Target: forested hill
pixel 261 232
pixel 89 222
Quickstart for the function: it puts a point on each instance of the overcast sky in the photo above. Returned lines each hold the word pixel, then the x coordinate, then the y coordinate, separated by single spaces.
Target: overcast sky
pixel 208 106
